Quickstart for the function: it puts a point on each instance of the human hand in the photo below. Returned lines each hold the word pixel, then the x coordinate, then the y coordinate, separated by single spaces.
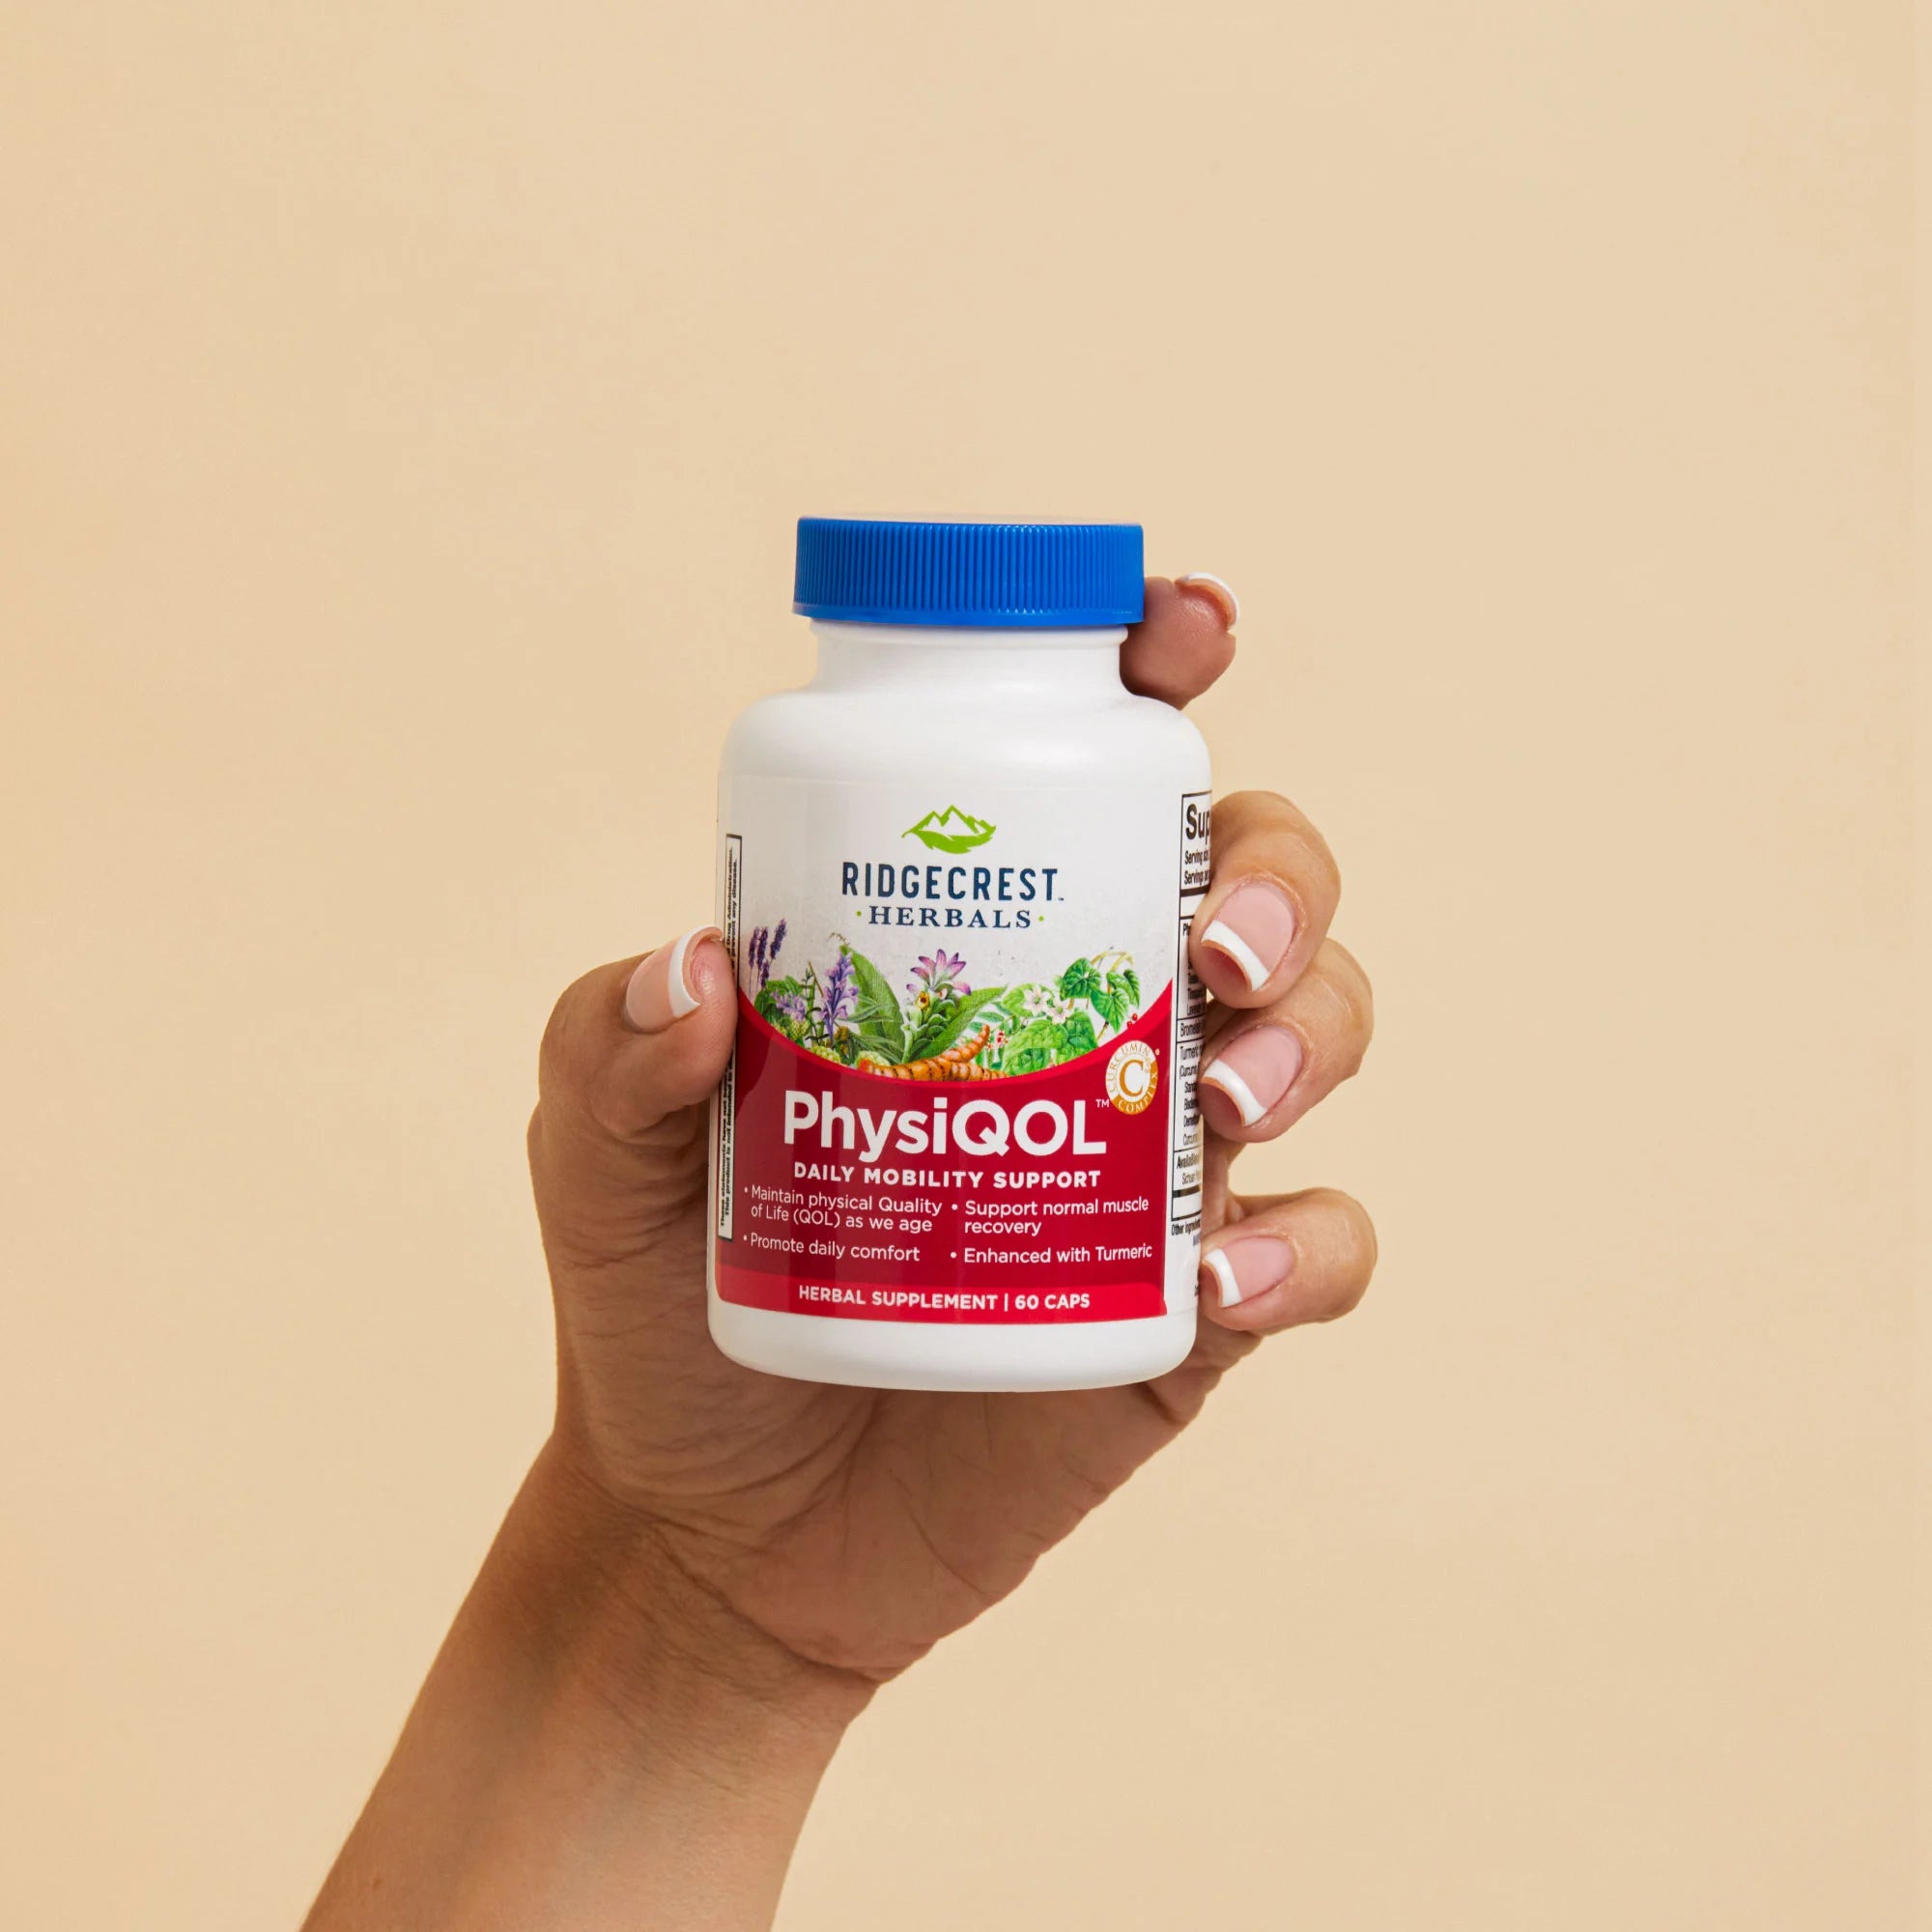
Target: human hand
pixel 840 1530
pixel 709 1570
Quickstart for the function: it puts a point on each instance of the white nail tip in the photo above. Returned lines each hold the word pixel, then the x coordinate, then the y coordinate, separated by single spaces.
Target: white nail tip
pixel 677 988
pixel 1223 1271
pixel 1221 584
pixel 1220 1074
pixel 1225 939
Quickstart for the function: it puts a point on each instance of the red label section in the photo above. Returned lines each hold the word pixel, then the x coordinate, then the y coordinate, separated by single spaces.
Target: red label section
pixel 1041 1197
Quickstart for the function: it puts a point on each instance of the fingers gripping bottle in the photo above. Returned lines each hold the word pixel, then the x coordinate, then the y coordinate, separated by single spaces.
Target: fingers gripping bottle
pixel 957 1146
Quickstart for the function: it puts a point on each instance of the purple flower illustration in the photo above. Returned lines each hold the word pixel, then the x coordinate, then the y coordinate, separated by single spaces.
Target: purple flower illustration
pixel 761 953
pixel 936 976
pixel 839 994
pixel 791 1005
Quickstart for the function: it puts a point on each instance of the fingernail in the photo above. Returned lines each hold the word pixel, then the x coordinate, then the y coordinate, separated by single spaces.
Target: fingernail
pixel 1254 927
pixel 660 991
pixel 1245 1269
pixel 1255 1070
pixel 1223 594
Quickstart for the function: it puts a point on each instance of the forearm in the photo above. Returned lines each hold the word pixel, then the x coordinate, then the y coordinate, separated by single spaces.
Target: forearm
pixel 595 1747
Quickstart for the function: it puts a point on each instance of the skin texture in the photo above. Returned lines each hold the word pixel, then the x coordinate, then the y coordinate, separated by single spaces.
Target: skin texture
pixel 710 1570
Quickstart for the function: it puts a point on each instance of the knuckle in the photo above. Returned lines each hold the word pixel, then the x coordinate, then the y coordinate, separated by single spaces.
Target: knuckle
pixel 1290 845
pixel 1216 655
pixel 1348 1020
pixel 1245 814
pixel 1349 986
pixel 617 1113
pixel 1364 1251
pixel 1347 1246
pixel 1325 884
pixel 575 1085
pixel 1255 799
pixel 1347 964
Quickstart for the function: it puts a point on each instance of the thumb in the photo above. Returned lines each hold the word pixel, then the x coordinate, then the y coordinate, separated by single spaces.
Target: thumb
pixel 632 1053
pixel 678 1012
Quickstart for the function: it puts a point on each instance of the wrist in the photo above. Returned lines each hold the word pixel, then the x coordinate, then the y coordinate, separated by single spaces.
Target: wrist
pixel 615 1621
pixel 599 1744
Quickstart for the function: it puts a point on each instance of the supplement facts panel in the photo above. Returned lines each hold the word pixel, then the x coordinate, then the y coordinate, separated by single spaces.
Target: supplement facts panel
pixel 1190 1001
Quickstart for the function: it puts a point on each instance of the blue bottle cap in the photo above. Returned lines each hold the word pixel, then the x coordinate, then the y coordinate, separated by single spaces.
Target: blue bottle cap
pixel 1031 576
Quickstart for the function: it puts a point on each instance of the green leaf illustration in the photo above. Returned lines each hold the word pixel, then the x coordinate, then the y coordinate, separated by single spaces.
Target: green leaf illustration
pixel 1033 1048
pixel 1047 1042
pixel 1114 995
pixel 1081 981
pixel 943 1026
pixel 878 1026
pixel 1016 1002
pixel 1077 1037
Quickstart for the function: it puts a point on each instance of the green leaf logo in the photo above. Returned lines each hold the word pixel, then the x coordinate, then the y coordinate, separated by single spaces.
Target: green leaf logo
pixel 951 831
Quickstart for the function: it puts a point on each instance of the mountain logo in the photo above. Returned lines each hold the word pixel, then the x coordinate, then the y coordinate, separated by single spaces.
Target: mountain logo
pixel 951 831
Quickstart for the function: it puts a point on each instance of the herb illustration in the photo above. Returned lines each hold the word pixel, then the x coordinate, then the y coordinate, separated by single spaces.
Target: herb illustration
pixel 941 1028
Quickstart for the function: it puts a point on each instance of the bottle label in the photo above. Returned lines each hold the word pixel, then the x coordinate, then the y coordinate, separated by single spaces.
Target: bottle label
pixel 963 1086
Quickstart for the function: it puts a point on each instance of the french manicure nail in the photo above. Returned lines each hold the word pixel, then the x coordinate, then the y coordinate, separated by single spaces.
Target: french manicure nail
pixel 1255 1070
pixel 1222 592
pixel 1245 1269
pixel 660 990
pixel 1254 927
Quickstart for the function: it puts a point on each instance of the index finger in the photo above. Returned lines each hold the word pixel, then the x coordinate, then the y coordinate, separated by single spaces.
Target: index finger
pixel 1270 903
pixel 1184 642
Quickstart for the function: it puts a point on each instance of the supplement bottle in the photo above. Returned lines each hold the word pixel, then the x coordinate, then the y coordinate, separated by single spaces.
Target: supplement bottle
pixel 957 1146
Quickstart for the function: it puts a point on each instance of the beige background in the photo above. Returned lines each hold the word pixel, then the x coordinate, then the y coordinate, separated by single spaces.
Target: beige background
pixel 405 410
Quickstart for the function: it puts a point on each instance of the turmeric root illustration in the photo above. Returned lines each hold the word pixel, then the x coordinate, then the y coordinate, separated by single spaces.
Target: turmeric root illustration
pixel 959 1062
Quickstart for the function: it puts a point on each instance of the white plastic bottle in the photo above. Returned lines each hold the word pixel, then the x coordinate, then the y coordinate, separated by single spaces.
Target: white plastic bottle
pixel 958 1146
